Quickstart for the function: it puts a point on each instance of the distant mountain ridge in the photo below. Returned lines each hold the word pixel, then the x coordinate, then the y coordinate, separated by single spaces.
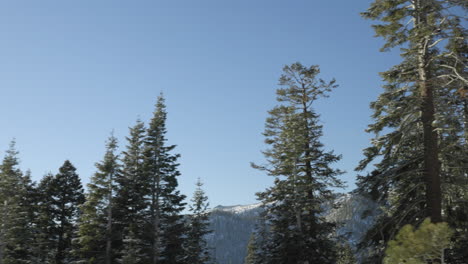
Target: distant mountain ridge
pixel 239 209
pixel 233 225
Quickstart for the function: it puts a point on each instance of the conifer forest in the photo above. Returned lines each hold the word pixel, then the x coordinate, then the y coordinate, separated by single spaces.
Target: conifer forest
pixel 408 204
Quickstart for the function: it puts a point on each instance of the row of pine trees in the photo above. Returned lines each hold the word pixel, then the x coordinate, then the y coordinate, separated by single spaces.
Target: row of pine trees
pixel 418 158
pixel 131 213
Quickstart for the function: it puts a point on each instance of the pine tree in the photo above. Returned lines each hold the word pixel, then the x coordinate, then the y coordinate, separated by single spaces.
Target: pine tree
pixel 164 202
pixel 131 253
pixel 453 109
pixel 130 201
pixel 96 222
pixel 46 227
pixel 418 127
pixel 16 210
pixel 196 245
pixel 257 248
pixel 252 251
pixel 67 197
pixel 303 171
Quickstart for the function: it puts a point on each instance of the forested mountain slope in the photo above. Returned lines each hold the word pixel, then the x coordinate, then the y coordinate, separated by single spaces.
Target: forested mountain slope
pixel 233 225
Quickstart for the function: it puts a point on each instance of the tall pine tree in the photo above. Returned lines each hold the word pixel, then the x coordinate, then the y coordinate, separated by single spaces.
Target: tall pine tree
pixel 67 197
pixel 46 226
pixel 252 251
pixel 165 204
pixel 417 147
pixel 16 230
pixel 96 222
pixel 130 198
pixel 198 220
pixel 294 205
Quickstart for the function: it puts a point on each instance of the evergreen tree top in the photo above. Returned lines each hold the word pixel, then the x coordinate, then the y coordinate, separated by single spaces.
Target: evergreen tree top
pixel 199 199
pixel 158 122
pixel 67 167
pixel 136 130
pixel 112 143
pixel 300 84
pixel 134 140
pixel 110 157
pixel 68 183
pixel 107 168
pixel 413 21
pixel 11 156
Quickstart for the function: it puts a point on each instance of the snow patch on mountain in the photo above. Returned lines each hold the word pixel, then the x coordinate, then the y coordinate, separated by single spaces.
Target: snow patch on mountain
pixel 239 209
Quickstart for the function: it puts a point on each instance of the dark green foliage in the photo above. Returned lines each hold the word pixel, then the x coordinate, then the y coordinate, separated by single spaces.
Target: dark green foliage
pixel 198 228
pixel 16 229
pixel 67 197
pixel 258 247
pixel 252 251
pixel 132 247
pixel 46 227
pixel 96 221
pixel 293 206
pixel 164 203
pixel 420 154
pixel 129 200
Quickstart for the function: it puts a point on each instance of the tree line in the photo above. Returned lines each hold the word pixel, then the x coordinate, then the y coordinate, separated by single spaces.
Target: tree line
pixel 131 213
pixel 418 160
pixel 418 157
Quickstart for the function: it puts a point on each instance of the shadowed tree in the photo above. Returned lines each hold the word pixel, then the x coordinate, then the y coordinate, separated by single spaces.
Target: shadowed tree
pixel 67 197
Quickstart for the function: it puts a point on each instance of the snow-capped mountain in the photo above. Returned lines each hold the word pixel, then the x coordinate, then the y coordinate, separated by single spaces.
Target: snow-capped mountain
pixel 250 209
pixel 233 225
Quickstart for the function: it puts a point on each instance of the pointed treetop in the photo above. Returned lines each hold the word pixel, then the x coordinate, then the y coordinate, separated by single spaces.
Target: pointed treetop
pixel 12 152
pixel 199 183
pixel 199 199
pixel 11 155
pixel 112 142
pixel 160 102
pixel 139 126
pixel 157 126
pixel 66 167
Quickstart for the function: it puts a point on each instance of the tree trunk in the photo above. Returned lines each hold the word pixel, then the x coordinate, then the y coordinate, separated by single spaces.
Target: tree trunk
pixel 431 151
pixel 156 237
pixel 59 257
pixel 60 243
pixel 156 220
pixel 430 137
pixel 308 162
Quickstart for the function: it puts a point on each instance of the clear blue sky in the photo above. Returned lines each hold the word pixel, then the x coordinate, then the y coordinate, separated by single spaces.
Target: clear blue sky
pixel 71 71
